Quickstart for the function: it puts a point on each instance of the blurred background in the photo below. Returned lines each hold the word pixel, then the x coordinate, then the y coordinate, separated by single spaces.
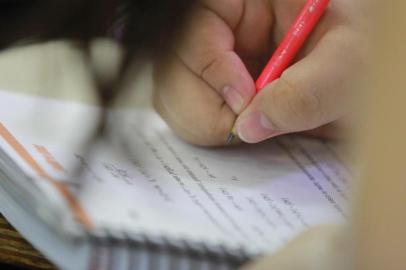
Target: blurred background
pixel 58 70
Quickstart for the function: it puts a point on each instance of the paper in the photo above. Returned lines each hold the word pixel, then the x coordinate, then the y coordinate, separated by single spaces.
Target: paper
pixel 254 196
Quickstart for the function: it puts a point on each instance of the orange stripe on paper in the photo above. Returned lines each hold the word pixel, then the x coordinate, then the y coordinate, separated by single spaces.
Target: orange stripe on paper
pixel 74 205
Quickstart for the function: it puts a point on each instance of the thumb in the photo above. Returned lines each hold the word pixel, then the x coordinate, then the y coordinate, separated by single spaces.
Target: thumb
pixel 278 109
pixel 311 93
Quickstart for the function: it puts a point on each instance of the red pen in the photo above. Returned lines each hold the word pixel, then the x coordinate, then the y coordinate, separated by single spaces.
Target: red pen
pixel 292 42
pixel 290 45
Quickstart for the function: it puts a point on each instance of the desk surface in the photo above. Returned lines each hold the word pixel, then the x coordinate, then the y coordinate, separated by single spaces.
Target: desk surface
pixel 14 250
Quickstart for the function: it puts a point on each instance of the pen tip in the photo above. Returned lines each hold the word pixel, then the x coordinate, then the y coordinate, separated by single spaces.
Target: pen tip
pixel 231 137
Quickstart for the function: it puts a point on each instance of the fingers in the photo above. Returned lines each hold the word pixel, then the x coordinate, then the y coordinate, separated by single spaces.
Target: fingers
pixel 227 75
pixel 206 48
pixel 309 94
pixel 189 105
pixel 204 83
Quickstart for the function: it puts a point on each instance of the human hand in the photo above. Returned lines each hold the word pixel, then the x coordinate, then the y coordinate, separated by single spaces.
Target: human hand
pixel 206 83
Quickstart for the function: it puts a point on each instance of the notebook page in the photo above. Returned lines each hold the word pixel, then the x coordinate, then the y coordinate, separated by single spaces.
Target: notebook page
pixel 148 181
pixel 28 127
pixel 262 195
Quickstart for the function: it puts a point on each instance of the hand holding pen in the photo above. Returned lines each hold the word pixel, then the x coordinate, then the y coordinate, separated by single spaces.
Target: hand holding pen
pixel 207 84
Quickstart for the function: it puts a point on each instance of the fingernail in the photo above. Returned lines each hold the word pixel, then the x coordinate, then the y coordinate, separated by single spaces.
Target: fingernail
pixel 255 128
pixel 233 98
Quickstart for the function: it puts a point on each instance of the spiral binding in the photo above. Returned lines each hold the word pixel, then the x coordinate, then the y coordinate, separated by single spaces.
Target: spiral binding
pixel 146 252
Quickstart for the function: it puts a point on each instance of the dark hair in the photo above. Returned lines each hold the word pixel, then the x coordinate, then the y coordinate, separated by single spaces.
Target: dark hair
pixel 147 21
pixel 142 26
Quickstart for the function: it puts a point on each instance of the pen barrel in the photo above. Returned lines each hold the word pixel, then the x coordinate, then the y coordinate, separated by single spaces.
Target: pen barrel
pixel 292 42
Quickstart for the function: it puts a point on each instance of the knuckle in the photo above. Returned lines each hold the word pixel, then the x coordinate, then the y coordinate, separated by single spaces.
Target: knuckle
pixel 208 65
pixel 214 62
pixel 228 10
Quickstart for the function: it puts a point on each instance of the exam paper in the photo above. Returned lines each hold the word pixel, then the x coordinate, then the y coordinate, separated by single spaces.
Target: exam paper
pixel 143 179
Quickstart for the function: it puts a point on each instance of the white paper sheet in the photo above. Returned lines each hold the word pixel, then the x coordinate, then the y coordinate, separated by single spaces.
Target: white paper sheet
pixel 148 181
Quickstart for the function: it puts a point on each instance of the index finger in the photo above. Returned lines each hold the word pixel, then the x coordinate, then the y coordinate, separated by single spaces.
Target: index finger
pixel 206 47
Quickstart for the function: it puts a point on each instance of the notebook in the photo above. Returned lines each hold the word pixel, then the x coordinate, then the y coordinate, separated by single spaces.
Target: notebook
pixel 141 198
